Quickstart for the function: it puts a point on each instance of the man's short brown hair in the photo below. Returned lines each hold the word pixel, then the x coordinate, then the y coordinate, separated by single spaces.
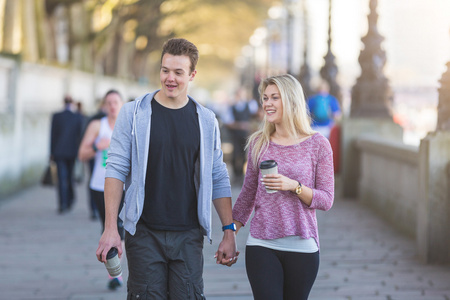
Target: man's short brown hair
pixel 181 47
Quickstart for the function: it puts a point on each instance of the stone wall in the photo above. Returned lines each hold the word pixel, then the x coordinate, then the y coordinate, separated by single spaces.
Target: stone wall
pixel 353 129
pixel 389 181
pixel 410 188
pixel 29 94
pixel 433 218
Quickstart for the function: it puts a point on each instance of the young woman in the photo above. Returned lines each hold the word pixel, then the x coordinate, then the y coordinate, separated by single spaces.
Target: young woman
pixel 282 252
pixel 95 144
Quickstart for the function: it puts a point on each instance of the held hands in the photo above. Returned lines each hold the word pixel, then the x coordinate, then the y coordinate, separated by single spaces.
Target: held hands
pixel 109 239
pixel 279 182
pixel 227 253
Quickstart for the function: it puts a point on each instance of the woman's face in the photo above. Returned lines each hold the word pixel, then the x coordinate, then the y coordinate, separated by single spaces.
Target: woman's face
pixel 113 104
pixel 272 104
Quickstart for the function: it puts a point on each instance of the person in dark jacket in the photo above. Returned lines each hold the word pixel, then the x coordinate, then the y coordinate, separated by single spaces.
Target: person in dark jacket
pixel 65 137
pixel 238 121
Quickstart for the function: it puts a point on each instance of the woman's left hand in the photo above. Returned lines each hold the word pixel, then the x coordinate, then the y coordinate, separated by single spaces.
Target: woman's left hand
pixel 279 182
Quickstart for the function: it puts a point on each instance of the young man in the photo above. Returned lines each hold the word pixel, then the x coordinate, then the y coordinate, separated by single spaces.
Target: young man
pixel 166 149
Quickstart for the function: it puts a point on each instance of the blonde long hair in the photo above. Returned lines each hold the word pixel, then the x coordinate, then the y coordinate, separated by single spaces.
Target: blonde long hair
pixel 296 118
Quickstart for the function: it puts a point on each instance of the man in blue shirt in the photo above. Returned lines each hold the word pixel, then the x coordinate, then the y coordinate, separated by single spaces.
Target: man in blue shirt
pixel 324 109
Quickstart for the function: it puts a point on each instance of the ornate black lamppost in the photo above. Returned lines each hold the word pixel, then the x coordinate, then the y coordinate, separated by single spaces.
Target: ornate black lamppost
pixel 371 95
pixel 305 74
pixel 291 8
pixel 330 70
pixel 443 122
pixel 289 38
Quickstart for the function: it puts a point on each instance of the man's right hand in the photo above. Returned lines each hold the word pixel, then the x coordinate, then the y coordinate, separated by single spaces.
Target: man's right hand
pixel 110 238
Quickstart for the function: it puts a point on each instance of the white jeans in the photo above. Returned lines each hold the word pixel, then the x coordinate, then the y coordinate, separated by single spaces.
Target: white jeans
pixel 324 130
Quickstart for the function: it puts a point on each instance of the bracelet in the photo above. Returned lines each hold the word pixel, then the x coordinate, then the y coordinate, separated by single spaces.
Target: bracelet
pixel 94 147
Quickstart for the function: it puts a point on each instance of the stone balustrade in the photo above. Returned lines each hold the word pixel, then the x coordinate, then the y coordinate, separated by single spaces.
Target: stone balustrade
pixel 410 187
pixel 389 181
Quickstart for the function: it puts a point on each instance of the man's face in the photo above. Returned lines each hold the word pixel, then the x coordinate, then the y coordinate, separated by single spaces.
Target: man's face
pixel 175 75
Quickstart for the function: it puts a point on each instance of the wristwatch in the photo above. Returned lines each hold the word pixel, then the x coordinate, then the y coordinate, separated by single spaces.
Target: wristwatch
pixel 232 226
pixel 298 189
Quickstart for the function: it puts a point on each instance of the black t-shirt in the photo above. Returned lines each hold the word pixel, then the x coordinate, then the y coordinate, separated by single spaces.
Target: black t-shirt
pixel 170 195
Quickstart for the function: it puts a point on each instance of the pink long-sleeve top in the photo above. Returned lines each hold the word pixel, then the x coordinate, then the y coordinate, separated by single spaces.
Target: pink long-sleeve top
pixel 282 213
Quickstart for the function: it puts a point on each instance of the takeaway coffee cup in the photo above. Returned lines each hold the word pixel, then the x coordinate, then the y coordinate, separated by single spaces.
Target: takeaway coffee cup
pixel 113 263
pixel 269 167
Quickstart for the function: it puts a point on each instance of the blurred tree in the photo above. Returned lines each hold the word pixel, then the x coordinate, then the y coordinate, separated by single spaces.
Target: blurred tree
pixel 219 28
pixel 10 15
pixel 123 38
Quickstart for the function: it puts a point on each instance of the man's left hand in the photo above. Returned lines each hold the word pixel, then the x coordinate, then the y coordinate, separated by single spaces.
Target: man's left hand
pixel 227 253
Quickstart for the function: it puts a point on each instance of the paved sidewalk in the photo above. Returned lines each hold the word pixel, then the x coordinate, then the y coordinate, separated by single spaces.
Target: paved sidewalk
pixel 48 256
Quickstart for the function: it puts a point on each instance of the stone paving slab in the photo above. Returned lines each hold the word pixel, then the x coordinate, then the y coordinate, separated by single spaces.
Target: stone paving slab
pixel 362 257
pixel 46 256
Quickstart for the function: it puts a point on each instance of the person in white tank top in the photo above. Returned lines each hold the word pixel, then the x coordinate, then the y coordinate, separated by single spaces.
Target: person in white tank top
pixel 95 144
pixel 97 182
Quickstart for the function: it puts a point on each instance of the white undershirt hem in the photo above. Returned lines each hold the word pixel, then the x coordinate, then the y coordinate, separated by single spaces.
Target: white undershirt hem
pixel 291 243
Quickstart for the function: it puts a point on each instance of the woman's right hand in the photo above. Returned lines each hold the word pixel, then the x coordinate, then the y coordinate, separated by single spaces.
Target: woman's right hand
pixel 103 143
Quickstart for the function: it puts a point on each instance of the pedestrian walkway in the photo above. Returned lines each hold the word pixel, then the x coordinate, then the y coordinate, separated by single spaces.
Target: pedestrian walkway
pixel 48 256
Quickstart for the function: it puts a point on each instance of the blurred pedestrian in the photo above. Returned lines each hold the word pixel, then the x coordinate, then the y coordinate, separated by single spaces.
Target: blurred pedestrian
pixel 324 109
pixel 166 149
pixel 282 252
pixel 238 121
pixel 95 144
pixel 93 210
pixel 79 108
pixel 64 140
pixel 79 168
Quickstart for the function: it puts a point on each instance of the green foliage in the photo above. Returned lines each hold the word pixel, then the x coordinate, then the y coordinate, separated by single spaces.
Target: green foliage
pixel 219 28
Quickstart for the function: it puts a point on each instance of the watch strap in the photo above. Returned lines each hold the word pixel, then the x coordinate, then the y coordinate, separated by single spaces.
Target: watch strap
pixel 231 226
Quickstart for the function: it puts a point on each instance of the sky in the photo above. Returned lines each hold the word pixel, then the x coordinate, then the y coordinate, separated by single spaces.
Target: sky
pixel 417 47
pixel 416 32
